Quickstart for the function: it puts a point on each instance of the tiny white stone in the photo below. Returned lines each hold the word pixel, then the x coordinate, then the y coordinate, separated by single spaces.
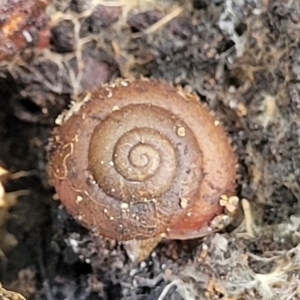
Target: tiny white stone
pixel 124 205
pixel 27 36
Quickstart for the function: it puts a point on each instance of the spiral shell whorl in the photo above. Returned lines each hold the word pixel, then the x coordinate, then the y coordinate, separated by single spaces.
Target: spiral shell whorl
pixel 132 162
pixel 142 155
pixel 137 157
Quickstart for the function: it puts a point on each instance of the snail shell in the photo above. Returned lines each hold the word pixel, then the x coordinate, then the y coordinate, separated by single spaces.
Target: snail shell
pixel 138 159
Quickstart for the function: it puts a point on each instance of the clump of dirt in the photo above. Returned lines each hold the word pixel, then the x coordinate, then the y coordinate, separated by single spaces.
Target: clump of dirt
pixel 241 58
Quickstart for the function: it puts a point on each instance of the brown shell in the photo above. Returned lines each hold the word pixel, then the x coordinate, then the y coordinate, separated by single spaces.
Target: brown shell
pixel 138 159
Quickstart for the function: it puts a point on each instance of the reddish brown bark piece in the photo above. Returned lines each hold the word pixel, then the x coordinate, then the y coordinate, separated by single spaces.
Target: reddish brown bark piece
pixel 22 24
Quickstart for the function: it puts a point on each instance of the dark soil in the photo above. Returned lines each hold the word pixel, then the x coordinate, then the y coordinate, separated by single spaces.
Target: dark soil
pixel 242 59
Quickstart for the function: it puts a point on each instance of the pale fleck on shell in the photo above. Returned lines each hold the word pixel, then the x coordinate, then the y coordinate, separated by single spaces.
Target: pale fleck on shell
pixel 183 203
pixel 181 131
pixel 79 199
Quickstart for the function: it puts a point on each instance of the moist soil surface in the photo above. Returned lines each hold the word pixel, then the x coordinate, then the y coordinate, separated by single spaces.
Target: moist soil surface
pixel 242 60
